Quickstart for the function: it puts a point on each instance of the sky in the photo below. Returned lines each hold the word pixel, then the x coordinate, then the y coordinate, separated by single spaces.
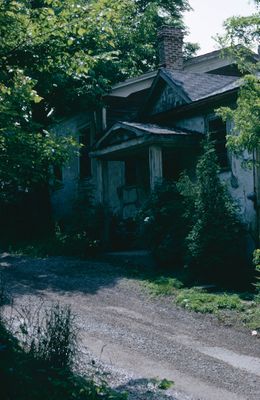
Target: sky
pixel 208 16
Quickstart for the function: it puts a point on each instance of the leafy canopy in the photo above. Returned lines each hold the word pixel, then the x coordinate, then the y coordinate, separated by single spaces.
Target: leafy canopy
pixel 241 37
pixel 60 56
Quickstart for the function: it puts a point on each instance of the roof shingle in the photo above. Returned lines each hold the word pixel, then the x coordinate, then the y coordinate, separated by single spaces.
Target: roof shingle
pixel 202 85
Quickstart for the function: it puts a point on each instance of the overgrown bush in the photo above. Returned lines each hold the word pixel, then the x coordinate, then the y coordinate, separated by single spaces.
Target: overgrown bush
pixel 162 226
pixel 36 365
pixel 216 241
pixel 25 378
pixel 46 334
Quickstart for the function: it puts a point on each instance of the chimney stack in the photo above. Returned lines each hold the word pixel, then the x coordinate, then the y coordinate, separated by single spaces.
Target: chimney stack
pixel 171 47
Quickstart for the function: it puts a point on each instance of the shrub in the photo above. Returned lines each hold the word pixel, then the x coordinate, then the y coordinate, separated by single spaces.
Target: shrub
pixel 47 335
pixel 256 261
pixel 162 226
pixel 25 377
pixel 216 240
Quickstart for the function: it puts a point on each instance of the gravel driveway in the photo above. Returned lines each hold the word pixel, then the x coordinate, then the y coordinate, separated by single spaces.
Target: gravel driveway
pixel 134 338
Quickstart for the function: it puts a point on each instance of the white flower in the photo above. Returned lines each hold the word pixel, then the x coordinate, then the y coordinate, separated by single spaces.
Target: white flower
pixel 147 219
pixel 254 333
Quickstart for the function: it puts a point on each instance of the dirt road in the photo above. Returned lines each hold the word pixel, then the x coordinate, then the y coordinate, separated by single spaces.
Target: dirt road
pixel 138 338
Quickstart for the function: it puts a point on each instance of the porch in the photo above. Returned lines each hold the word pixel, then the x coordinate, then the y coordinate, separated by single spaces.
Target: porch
pixel 132 158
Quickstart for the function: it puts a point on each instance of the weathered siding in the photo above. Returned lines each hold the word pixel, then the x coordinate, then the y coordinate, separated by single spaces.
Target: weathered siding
pixel 64 199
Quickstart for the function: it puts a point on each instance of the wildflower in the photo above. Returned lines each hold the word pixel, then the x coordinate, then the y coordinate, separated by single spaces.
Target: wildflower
pixel 254 333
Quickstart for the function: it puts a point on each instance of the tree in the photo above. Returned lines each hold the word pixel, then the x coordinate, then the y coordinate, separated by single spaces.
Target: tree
pixel 62 56
pixel 241 37
pixel 215 241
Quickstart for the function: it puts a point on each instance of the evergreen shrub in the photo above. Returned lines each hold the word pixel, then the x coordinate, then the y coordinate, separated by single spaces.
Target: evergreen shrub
pixel 216 242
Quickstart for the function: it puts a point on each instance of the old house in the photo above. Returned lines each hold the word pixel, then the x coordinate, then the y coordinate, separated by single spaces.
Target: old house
pixel 151 128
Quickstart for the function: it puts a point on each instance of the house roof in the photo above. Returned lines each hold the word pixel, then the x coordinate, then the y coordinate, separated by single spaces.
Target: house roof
pixel 186 88
pixel 197 86
pixel 126 136
pixel 155 129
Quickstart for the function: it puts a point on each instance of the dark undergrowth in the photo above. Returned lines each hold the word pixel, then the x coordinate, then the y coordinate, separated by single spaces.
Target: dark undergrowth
pixel 37 362
pixel 25 378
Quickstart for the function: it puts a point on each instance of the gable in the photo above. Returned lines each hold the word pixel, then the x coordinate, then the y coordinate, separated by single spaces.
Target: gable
pixel 164 95
pixel 168 98
pixel 172 89
pixel 118 136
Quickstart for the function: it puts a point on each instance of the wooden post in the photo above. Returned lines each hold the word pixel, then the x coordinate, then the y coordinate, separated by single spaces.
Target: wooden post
pixel 102 197
pixel 101 178
pixel 155 166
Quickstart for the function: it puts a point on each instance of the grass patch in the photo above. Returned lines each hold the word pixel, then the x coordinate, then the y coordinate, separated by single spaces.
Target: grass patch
pixel 235 308
pixel 200 301
pixel 163 286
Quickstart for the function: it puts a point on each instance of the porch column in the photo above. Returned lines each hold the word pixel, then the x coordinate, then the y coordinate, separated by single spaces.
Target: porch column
pixel 155 165
pixel 102 185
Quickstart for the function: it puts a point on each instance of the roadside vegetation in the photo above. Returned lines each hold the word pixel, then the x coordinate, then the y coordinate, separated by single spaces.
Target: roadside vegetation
pixel 231 307
pixel 37 352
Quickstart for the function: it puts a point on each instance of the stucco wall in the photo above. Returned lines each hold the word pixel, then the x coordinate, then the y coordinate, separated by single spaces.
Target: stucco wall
pixel 63 200
pixel 240 183
pixel 196 124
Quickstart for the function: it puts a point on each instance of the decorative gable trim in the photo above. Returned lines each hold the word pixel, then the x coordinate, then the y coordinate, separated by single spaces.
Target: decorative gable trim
pixel 164 95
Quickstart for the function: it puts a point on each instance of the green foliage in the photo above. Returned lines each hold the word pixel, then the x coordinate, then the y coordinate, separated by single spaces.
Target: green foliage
pixel 161 225
pixel 200 301
pixel 241 37
pixel 216 240
pixel 32 374
pixel 256 259
pixel 165 384
pixel 62 56
pixel 246 126
pixel 256 262
pixel 163 286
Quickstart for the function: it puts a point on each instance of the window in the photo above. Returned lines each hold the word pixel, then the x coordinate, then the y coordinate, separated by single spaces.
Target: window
pixel 84 159
pixel 130 173
pixel 217 133
pixel 57 173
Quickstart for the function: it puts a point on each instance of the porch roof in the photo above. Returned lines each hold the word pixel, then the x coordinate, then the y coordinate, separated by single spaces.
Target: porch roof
pixel 125 137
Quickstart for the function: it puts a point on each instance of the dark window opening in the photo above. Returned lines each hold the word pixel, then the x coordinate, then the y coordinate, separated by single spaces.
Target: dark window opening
pixel 57 171
pixel 84 159
pixel 217 133
pixel 171 167
pixel 130 173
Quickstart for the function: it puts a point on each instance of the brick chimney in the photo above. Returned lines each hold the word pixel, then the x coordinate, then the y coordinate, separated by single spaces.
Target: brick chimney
pixel 171 47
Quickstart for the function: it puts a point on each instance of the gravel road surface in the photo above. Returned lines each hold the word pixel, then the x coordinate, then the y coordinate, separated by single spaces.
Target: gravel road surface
pixel 134 338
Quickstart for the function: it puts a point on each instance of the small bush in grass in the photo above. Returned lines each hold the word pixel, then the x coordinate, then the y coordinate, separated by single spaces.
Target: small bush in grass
pixel 48 335
pixel 57 340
